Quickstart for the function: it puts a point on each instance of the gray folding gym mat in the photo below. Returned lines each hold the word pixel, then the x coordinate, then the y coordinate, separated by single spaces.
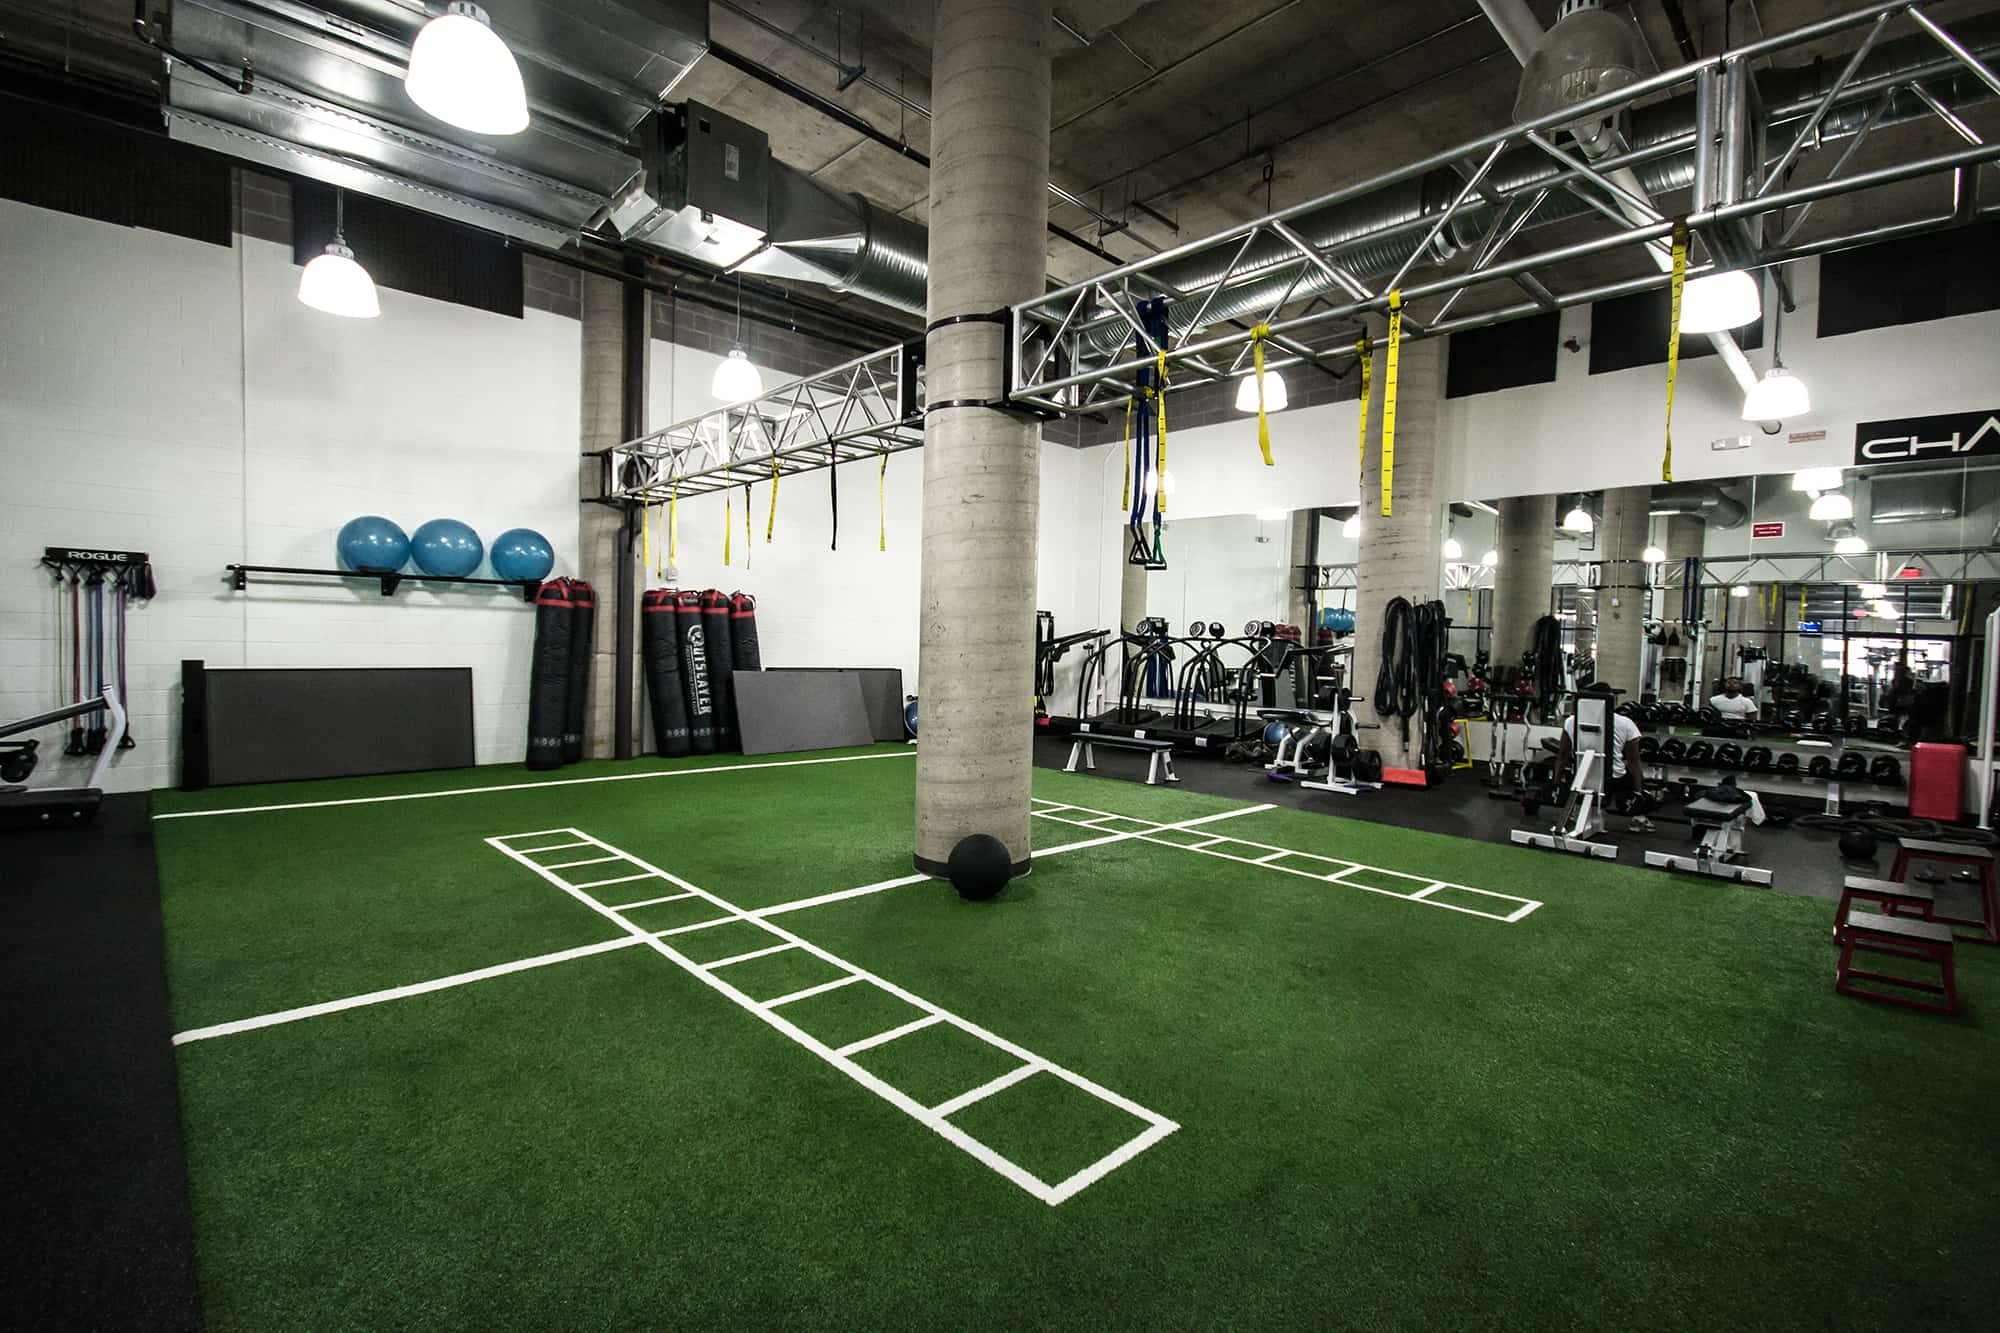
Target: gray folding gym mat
pixel 882 693
pixel 781 711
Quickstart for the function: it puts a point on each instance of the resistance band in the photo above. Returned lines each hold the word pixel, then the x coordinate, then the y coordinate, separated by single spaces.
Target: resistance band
pixel 674 526
pixel 1146 465
pixel 882 501
pixel 748 543
pixel 728 523
pixel 772 521
pixel 1674 340
pixel 1389 398
pixel 833 496
pixel 1257 337
pixel 646 530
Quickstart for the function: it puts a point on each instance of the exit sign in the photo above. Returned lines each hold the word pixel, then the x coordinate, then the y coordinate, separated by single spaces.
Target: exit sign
pixel 1767 530
pixel 1910 572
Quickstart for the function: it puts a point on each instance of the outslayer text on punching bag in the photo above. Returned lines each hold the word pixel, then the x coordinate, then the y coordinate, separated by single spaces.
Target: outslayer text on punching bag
pixel 695 682
pixel 716 643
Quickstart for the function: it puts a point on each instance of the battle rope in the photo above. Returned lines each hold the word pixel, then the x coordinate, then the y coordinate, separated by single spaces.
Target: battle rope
pixel 1674 340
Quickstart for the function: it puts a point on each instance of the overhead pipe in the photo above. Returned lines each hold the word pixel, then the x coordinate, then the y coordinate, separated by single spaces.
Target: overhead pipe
pixel 1698 499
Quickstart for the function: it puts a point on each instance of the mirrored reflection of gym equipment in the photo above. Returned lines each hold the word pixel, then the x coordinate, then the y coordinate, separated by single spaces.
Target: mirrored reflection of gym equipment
pixel 1583 816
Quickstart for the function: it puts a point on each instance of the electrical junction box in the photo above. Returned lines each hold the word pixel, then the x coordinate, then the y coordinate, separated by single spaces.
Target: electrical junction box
pixel 703 188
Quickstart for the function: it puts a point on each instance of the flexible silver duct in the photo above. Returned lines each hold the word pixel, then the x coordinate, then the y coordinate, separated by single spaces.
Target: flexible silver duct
pixel 1700 499
pixel 842 240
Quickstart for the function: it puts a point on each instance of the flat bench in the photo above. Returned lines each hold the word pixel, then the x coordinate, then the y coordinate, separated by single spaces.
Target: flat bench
pixel 1886 893
pixel 1898 937
pixel 1159 767
pixel 1909 851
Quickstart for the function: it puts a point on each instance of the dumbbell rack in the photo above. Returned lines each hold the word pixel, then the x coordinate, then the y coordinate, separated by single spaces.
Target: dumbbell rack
pixel 1762 781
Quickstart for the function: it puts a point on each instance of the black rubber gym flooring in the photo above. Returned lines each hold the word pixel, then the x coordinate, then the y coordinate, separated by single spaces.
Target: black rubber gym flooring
pixel 1802 861
pixel 95 1193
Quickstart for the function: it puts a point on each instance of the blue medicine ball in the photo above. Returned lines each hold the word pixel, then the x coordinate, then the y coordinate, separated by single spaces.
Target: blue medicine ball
pixel 372 544
pixel 522 554
pixel 447 548
pixel 1275 732
pixel 910 716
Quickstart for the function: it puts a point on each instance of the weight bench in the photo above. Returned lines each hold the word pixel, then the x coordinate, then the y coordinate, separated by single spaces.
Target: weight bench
pixel 1894 899
pixel 1718 821
pixel 1897 937
pixel 1162 752
pixel 1909 851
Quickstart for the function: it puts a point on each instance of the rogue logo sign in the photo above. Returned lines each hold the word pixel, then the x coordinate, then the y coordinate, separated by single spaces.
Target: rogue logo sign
pixel 1915 439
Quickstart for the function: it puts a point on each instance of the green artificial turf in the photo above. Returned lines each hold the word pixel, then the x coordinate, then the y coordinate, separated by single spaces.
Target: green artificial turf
pixel 1641 1105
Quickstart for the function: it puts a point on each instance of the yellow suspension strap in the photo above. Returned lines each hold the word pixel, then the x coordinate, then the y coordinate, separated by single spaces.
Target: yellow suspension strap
pixel 1389 398
pixel 772 521
pixel 646 530
pixel 1365 349
pixel 1125 493
pixel 1160 425
pixel 674 526
pixel 1257 337
pixel 728 523
pixel 748 541
pixel 882 501
pixel 1674 340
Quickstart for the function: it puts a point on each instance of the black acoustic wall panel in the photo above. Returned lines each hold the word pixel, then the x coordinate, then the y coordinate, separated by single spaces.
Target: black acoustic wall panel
pixel 1506 356
pixel 1630 331
pixel 881 694
pixel 1910 281
pixel 283 724
pixel 783 711
pixel 411 251
pixel 96 168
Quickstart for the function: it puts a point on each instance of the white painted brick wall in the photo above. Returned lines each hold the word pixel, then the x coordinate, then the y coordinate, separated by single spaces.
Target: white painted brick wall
pixel 168 396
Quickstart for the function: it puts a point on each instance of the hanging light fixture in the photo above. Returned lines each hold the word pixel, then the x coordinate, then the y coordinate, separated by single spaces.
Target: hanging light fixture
pixel 1780 394
pixel 1586 54
pixel 1578 520
pixel 1161 483
pixel 1352 527
pixel 1887 610
pixel 462 73
pixel 1873 592
pixel 1718 302
pixel 1739 590
pixel 1851 544
pixel 737 379
pixel 334 281
pixel 1653 555
pixel 1816 479
pixel 1832 507
pixel 1274 392
pixel 1452 549
pixel 1491 559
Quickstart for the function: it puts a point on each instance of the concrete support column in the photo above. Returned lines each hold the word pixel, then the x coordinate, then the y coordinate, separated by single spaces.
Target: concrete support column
pixel 1527 545
pixel 1299 553
pixel 1621 587
pixel 1401 555
pixel 1131 594
pixel 601 547
pixel 982 467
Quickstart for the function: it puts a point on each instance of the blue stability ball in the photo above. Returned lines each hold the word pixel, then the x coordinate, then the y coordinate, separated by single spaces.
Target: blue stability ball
pixel 447 548
pixel 522 555
pixel 372 544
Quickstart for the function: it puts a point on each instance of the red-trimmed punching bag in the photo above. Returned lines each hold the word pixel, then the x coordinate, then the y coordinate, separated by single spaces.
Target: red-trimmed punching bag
pixel 576 697
pixel 715 638
pixel 745 655
pixel 666 698
pixel 548 674
pixel 695 683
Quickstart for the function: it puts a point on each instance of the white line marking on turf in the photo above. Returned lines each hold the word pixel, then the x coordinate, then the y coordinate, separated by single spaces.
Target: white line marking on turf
pixel 1159 1126
pixel 649 902
pixel 1273 862
pixel 721 963
pixel 587 861
pixel 985 1090
pixel 622 879
pixel 699 925
pixel 884 1038
pixel 811 991
pixel 400 992
pixel 536 786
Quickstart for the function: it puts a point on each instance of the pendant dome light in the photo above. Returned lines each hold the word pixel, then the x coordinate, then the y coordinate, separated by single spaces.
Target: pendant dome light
pixel 1653 555
pixel 1491 560
pixel 1453 550
pixel 1718 302
pixel 1274 392
pixel 1352 527
pixel 1780 395
pixel 462 73
pixel 1851 544
pixel 1578 519
pixel 1832 507
pixel 1740 590
pixel 334 281
pixel 1816 479
pixel 737 379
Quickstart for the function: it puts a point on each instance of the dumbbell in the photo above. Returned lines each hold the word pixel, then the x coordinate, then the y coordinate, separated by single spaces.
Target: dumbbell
pixel 1674 750
pixel 1649 749
pixel 1757 759
pixel 1729 755
pixel 1701 754
pixel 1787 765
pixel 1851 768
pixel 1886 771
pixel 1820 766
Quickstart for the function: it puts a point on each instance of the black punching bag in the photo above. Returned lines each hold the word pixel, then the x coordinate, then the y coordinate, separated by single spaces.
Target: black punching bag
pixel 576 702
pixel 548 674
pixel 664 696
pixel 743 649
pixel 694 673
pixel 715 639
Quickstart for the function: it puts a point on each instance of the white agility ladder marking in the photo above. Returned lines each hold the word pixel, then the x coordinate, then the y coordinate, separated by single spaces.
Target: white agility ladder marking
pixel 937 1119
pixel 1274 857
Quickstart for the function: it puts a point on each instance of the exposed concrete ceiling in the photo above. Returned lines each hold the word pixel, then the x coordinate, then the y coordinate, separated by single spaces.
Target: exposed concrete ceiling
pixel 1172 119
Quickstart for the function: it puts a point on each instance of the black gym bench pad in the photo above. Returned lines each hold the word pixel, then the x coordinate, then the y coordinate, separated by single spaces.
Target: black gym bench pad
pixel 94 1189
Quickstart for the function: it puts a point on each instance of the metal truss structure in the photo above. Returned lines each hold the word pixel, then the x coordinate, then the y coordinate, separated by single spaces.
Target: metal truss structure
pixel 864 408
pixel 1077 348
pixel 1967 564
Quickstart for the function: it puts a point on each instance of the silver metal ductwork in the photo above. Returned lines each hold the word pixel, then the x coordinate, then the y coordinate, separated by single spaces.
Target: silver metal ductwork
pixel 1699 499
pixel 708 188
